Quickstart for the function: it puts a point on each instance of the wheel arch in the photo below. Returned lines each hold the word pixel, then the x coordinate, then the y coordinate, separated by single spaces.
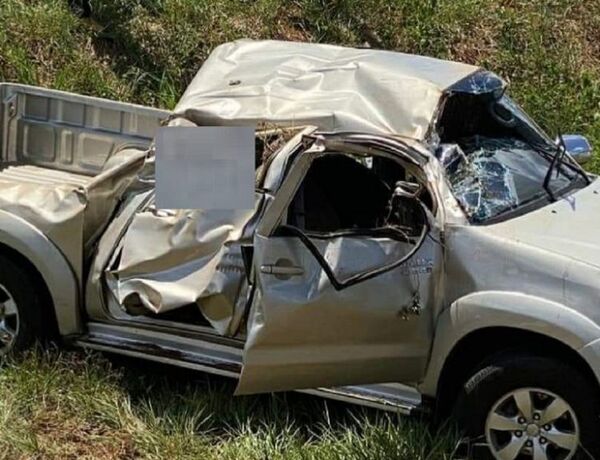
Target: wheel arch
pixel 28 246
pixel 472 349
pixel 480 325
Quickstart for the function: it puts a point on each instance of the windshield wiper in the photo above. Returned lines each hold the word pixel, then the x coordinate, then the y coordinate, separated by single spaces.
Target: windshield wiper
pixel 557 161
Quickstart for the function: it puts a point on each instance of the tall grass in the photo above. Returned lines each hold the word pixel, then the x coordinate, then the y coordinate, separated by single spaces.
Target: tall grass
pixel 76 405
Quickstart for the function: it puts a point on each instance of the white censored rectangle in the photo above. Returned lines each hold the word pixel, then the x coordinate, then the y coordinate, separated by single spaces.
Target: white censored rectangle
pixel 205 167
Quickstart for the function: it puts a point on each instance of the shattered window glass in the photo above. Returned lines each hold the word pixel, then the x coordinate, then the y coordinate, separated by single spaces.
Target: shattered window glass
pixel 490 176
pixel 479 83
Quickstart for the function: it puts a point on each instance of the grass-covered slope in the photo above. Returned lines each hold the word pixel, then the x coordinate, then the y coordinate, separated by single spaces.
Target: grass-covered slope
pixel 148 50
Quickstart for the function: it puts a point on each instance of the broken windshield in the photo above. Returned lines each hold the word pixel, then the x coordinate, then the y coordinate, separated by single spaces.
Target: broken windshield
pixel 496 157
pixel 491 176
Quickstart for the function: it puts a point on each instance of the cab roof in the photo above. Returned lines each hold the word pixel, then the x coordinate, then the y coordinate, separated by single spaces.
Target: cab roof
pixel 335 88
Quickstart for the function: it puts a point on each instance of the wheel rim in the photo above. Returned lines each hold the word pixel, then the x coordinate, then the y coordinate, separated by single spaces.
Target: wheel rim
pixel 9 320
pixel 531 423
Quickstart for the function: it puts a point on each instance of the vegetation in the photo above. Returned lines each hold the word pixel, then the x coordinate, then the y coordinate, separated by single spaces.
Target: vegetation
pixel 147 51
pixel 71 405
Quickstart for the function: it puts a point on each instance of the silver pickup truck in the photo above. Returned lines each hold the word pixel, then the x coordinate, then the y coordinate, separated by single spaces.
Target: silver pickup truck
pixel 417 243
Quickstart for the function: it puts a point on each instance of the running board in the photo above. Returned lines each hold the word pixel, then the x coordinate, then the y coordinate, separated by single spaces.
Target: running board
pixel 393 397
pixel 204 356
pixel 226 360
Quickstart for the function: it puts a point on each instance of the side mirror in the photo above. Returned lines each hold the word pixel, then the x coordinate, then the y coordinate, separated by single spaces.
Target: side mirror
pixel 578 147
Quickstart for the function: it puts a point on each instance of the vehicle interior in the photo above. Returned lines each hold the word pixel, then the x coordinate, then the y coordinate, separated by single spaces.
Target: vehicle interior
pixel 346 193
pixel 359 216
pixel 465 115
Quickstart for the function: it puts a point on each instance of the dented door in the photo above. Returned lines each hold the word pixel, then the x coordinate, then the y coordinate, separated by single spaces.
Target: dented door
pixel 360 318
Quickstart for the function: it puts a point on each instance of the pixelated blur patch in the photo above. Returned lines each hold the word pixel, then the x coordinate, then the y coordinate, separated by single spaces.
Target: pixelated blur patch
pixel 205 167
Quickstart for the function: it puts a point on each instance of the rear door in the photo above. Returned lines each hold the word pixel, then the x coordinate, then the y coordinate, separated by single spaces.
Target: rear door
pixel 350 307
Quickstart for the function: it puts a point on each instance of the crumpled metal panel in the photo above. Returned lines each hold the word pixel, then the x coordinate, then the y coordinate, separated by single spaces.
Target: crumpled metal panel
pixel 54 208
pixel 171 258
pixel 332 87
pixel 167 259
pixel 71 209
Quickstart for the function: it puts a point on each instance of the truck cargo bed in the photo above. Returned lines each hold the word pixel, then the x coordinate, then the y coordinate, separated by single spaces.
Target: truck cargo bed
pixel 42 176
pixel 66 160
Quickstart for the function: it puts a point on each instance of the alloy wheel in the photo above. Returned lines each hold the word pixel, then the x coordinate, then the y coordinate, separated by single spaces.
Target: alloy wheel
pixel 532 423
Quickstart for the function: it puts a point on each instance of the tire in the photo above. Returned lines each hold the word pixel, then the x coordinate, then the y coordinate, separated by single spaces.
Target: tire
pixel 492 392
pixel 19 290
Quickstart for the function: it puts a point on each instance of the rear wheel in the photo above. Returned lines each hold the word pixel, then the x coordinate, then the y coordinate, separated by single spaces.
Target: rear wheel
pixel 530 407
pixel 21 309
pixel 9 319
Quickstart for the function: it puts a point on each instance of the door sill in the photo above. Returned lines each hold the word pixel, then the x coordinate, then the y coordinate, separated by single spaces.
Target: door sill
pixel 393 397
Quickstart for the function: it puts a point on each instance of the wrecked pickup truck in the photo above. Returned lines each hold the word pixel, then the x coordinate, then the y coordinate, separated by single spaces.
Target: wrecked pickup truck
pixel 417 243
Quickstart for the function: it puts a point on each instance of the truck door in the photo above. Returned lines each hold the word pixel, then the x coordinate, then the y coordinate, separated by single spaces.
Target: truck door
pixel 345 276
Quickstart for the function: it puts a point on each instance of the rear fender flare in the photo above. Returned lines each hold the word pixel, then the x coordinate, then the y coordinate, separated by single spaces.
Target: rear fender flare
pixel 22 237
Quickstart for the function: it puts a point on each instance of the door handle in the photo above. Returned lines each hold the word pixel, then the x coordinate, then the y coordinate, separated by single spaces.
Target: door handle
pixel 282 268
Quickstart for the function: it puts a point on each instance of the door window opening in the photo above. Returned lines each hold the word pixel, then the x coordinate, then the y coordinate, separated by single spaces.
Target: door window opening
pixel 346 193
pixel 359 216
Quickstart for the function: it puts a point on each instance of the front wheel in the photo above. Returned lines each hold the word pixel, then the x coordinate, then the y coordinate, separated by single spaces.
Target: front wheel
pixel 530 407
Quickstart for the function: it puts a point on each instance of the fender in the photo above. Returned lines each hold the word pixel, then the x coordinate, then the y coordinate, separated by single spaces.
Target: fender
pixel 505 309
pixel 31 243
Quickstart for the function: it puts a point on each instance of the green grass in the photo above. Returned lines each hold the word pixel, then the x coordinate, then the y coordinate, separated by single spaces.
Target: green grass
pixel 74 405
pixel 147 51
pixel 65 405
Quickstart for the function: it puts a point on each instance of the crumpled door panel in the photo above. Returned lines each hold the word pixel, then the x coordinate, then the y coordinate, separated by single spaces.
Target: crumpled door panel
pixel 169 259
pixel 304 333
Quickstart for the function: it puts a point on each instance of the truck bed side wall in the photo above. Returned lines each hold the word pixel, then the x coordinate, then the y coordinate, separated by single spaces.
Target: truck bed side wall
pixel 67 131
